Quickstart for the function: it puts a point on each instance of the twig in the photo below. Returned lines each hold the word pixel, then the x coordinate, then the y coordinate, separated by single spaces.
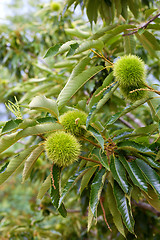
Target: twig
pixel 52 177
pixel 144 26
pixel 146 206
pixel 126 123
pixel 135 120
pixel 105 88
pixel 101 56
pixel 104 215
pixel 85 139
pixel 90 160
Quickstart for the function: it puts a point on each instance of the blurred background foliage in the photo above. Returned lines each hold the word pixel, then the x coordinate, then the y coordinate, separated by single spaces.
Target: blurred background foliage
pixel 31 29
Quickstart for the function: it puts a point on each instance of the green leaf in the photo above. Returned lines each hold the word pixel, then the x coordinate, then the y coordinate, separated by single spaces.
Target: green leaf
pixel 44 187
pixel 45 104
pixel 147 45
pixel 153 199
pixel 66 46
pixel 72 50
pixel 87 45
pixel 127 109
pixel 70 184
pixel 92 10
pixel 77 79
pixel 135 147
pixel 77 33
pixel 101 103
pixel 87 176
pixel 11 125
pixel 95 99
pixel 102 158
pixel 113 209
pixel 52 51
pixel 124 207
pixel 134 7
pixel 97 136
pixel 115 31
pixel 149 11
pixel 96 188
pixel 152 177
pixel 119 174
pixel 129 44
pixel 29 163
pixel 134 173
pixel 55 191
pixel 16 163
pixel 90 218
pixel 8 140
pixel 152 162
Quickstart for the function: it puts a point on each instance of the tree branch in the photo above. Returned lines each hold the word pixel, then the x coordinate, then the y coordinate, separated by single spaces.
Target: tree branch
pixel 135 120
pixel 126 123
pixel 146 206
pixel 142 27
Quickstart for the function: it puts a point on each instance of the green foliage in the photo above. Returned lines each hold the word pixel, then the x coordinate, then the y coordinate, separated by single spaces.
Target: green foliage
pixel 62 148
pixel 114 172
pixel 73 121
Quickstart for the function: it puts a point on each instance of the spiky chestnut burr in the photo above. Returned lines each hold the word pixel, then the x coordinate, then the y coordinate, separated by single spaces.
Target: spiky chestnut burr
pixel 62 148
pixel 73 120
pixel 130 72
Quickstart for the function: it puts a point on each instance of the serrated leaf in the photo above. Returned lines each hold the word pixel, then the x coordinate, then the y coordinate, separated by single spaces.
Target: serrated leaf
pixel 101 103
pixel 16 163
pixel 147 45
pixel 148 12
pixel 95 99
pixel 8 140
pixel 115 31
pixel 153 199
pixel 11 125
pixel 135 147
pixel 134 173
pixel 113 209
pixel 44 187
pixel 153 163
pixel 92 10
pixel 129 44
pixel 86 45
pixel 134 7
pixel 66 46
pixel 96 188
pixel 77 33
pixel 87 176
pixel 70 184
pixel 55 190
pixel 29 163
pixel 150 174
pixel 52 51
pixel 101 157
pixel 124 207
pixel 76 82
pixel 72 50
pixel 119 174
pixel 90 218
pixel 127 109
pixel 46 120
pixel 97 136
pixel 45 104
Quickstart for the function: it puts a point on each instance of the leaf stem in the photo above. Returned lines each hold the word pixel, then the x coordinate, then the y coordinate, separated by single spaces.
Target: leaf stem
pixel 89 159
pixel 85 139
pixel 101 56
pixel 104 215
